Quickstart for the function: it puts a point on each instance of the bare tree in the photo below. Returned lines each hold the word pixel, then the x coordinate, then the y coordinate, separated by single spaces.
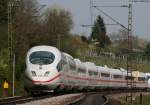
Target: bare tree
pixel 58 23
pixel 25 26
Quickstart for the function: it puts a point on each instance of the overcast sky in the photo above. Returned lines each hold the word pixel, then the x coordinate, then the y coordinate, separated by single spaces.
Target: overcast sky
pixel 80 10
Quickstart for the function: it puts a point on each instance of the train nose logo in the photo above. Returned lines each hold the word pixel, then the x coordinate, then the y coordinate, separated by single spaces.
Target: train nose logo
pixel 40 67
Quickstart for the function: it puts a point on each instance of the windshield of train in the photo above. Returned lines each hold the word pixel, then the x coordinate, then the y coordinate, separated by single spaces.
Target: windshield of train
pixel 41 57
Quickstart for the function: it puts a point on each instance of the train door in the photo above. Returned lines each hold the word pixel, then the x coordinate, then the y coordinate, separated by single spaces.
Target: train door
pixel 72 72
pixel 65 68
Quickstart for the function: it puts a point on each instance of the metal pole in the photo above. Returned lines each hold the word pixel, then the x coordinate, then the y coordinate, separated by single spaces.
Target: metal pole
pixel 58 41
pixel 10 46
pixel 9 33
pixel 11 59
pixel 91 11
pixel 14 75
pixel 129 59
pixel 141 99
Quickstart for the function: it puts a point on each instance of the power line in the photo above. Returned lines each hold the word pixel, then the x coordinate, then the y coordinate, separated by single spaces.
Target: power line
pixel 140 0
pixel 111 5
pixel 91 11
pixel 110 17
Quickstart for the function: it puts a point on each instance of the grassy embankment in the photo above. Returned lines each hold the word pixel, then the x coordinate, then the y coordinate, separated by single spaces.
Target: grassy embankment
pixel 145 100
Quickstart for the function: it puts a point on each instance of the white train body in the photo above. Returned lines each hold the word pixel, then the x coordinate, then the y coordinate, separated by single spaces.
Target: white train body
pixel 41 67
pixel 148 76
pixel 49 69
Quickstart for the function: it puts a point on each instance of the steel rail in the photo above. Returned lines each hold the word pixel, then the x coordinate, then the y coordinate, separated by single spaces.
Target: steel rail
pixel 14 100
pixel 107 100
pixel 78 100
pixel 81 99
pixel 24 99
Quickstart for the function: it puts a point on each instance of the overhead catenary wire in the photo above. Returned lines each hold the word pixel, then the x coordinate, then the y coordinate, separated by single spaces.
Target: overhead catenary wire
pixel 140 0
pixel 110 17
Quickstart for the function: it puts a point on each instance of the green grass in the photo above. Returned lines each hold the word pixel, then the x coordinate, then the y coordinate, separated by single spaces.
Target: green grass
pixel 146 100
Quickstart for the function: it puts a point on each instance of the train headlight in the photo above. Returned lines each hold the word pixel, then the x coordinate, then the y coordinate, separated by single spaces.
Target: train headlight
pixel 33 73
pixel 46 73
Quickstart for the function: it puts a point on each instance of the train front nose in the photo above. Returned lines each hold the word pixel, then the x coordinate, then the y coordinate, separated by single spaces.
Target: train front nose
pixel 45 75
pixel 43 83
pixel 41 66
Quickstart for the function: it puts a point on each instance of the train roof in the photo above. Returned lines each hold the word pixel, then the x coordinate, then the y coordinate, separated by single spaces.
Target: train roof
pixel 123 70
pixel 81 65
pixel 115 71
pixel 90 66
pixel 67 55
pixel 42 47
pixel 141 74
pixel 89 63
pixel 77 60
pixel 103 69
pixel 147 74
pixel 54 50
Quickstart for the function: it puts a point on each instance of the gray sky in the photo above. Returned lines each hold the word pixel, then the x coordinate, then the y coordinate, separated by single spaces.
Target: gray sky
pixel 81 15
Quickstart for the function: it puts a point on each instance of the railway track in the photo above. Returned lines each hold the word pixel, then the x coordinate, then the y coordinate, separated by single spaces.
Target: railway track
pixel 74 101
pixel 22 99
pixel 92 99
pixel 27 100
pixel 103 98
pixel 15 100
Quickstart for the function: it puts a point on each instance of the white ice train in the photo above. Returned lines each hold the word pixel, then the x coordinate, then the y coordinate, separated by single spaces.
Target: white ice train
pixel 48 69
pixel 148 76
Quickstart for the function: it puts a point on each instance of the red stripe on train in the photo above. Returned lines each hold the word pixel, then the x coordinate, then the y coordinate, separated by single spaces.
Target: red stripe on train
pixel 81 78
pixel 34 81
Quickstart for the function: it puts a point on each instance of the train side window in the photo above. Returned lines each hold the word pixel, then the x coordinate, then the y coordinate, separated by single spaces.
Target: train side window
pixel 90 73
pixel 61 65
pixel 105 75
pixel 96 73
pixel 80 70
pixel 128 78
pixel 141 78
pixel 72 65
pixel 117 76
